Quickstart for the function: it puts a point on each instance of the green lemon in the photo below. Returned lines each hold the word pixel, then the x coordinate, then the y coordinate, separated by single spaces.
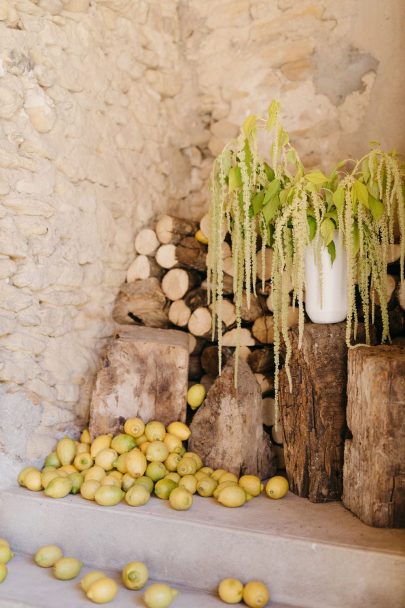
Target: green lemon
pixel 180 499
pixel 123 443
pixel 135 575
pixel 47 556
pixel 59 487
pixel 83 461
pixel 102 590
pixel 67 568
pixel 173 476
pixel 121 463
pixel 164 487
pixel 90 578
pixel 128 481
pixel 159 595
pixel 137 496
pixel 77 480
pixel 3 572
pixel 108 496
pixel 156 471
pixel 52 460
pixel 146 482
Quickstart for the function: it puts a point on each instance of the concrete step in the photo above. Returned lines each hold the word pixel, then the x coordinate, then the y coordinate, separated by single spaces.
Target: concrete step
pixel 312 556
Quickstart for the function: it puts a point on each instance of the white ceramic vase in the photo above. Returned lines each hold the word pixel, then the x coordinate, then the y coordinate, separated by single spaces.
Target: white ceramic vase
pixel 332 308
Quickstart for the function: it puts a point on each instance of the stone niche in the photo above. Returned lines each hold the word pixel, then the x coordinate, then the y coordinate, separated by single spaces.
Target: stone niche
pixel 111 112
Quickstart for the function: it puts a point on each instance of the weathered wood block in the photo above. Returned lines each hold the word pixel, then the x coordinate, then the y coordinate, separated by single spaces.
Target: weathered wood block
pixel 227 430
pixel 144 373
pixel 313 414
pixel 374 468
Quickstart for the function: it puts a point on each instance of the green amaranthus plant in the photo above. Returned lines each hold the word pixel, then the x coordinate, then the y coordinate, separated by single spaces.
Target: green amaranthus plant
pixel 289 208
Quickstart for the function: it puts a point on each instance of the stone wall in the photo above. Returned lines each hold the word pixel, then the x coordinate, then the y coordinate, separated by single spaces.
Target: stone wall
pixel 111 111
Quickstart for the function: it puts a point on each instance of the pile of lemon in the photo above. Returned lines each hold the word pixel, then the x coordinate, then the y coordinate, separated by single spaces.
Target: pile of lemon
pixel 6 555
pixel 130 466
pixel 255 594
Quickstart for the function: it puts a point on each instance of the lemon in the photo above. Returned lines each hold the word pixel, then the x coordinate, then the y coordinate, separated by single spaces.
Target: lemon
pixel 127 482
pixel 228 477
pixel 199 475
pixel 186 466
pixel 111 480
pixel 277 487
pixel 156 470
pixel 5 554
pixel 85 436
pixel 206 487
pixel 217 474
pixel 102 590
pixel 230 590
pixel 59 487
pixel 195 396
pixel 180 430
pixel 159 595
pixel 67 568
pixel 22 474
pixel 3 572
pixel 89 488
pixel 146 482
pixel 173 443
pixel 52 460
pixel 66 450
pixel 221 486
pixel 156 452
pixel 200 237
pixel 155 431
pixel 83 461
pixel 32 480
pixel 172 461
pixel 108 496
pixel 255 594
pixel 90 578
pixel 123 443
pixel 67 468
pixel 144 446
pixel 47 556
pixel 136 463
pixel 180 499
pixel 164 487
pixel 199 463
pixel 121 463
pixel 189 482
pixel 82 448
pixel 3 541
pixel 173 476
pixel 135 575
pixel 251 484
pixel 137 496
pixel 117 474
pixel 207 470
pixel 105 458
pixel 141 440
pixel 77 480
pixel 48 476
pixel 134 427
pixel 102 442
pixel 232 496
pixel 97 473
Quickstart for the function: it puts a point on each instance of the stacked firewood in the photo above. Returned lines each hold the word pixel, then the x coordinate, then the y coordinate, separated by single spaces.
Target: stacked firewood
pixel 166 287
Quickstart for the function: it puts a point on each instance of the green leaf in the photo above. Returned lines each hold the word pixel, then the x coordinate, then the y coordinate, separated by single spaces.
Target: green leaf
pixel 365 170
pixel 339 198
pixel 270 210
pixel 312 227
pixel 327 230
pixel 249 126
pixel 316 177
pixel 374 189
pixel 272 189
pixel 332 251
pixel 283 196
pixel 361 192
pixel 248 157
pixel 333 216
pixel 235 179
pixel 273 111
pixel 257 202
pixel 269 172
pixel 376 207
pixel 355 239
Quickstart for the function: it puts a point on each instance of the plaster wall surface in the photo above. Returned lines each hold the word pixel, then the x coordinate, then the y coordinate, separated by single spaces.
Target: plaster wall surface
pixel 112 111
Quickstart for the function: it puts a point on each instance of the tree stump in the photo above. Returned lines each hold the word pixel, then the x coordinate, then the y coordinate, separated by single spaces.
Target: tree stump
pixel 313 414
pixel 227 430
pixel 144 373
pixel 374 469
pixel 143 301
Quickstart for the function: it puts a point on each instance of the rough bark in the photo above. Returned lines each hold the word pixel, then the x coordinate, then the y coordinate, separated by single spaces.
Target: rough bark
pixel 313 414
pixel 261 360
pixel 209 359
pixel 192 254
pixel 374 469
pixel 142 301
pixel 144 373
pixel 227 430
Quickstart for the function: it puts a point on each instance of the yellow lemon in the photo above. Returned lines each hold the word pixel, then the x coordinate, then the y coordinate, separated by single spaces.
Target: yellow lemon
pixel 135 575
pixel 228 477
pixel 146 482
pixel 207 470
pixel 111 480
pixel 102 442
pixel 95 472
pixel 66 450
pixel 3 541
pixel 180 499
pixel 232 496
pixel 5 554
pixel 172 461
pixel 195 396
pixel 85 436
pixel 59 487
pixel 108 496
pixel 32 480
pixel 173 476
pixel 155 431
pixel 127 482
pixel 199 475
pixel 277 487
pixel 52 460
pixel 159 595
pixel 89 488
pixel 255 594
pixel 3 572
pixel 67 568
pixel 137 496
pixel 156 470
pixel 206 487
pixel 217 474
pixel 22 474
pixel 141 440
pixel 221 486
pixel 173 443
pixel 156 452
pixel 134 427
pixel 199 463
pixel 90 578
pixel 48 476
pixel 82 448
pixel 144 446
pixel 251 484
pixel 67 468
pixel 186 466
pixel 106 458
pixel 164 487
pixel 180 430
pixel 136 463
pixel 83 461
pixel 47 556
pixel 200 237
pixel 230 590
pixel 123 443
pixel 189 482
pixel 121 463
pixel 102 590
